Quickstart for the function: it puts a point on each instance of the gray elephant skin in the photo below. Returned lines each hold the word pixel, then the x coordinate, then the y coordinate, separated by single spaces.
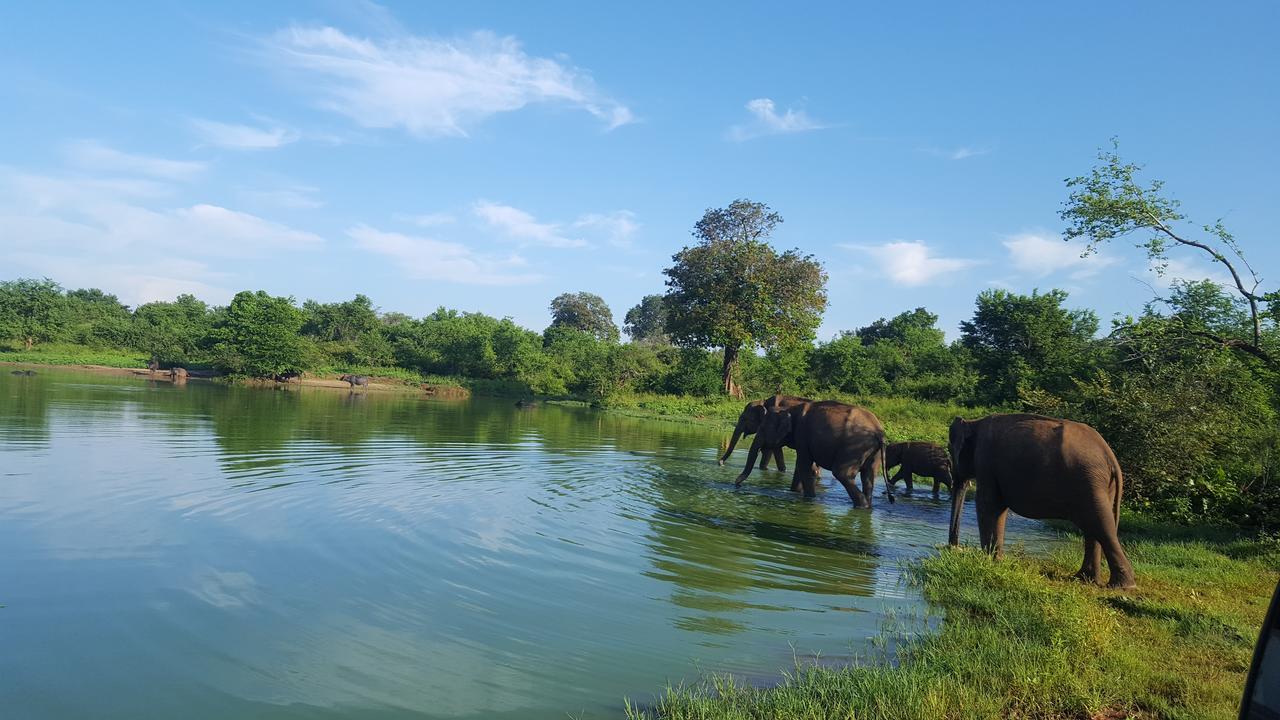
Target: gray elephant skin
pixel 749 424
pixel 925 459
pixel 1041 468
pixel 845 439
pixel 354 380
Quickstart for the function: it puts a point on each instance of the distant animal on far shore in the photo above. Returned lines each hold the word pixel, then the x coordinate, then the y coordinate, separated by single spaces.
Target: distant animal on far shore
pixel 23 372
pixel 354 380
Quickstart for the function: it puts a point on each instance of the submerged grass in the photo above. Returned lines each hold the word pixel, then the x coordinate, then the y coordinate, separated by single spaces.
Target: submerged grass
pixel 1021 639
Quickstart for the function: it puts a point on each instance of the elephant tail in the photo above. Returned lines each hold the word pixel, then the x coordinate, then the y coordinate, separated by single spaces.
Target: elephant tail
pixel 1117 479
pixel 884 467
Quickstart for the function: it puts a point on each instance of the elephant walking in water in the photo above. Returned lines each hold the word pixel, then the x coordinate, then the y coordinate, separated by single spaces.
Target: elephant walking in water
pixel 749 424
pixel 1042 468
pixel 918 458
pixel 844 439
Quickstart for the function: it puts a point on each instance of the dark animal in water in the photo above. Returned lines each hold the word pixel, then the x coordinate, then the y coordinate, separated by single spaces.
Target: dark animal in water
pixel 178 374
pixel 918 458
pixel 286 377
pixel 153 364
pixel 354 380
pixel 23 372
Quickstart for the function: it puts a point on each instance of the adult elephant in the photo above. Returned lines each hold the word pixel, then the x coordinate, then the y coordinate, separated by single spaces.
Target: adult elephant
pixel 917 458
pixel 844 439
pixel 749 424
pixel 1042 468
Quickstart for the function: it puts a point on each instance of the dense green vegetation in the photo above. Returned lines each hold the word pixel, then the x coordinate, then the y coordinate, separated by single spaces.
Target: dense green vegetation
pixel 1021 639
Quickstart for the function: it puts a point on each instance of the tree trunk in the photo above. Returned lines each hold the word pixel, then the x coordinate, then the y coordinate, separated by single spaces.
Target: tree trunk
pixel 730 369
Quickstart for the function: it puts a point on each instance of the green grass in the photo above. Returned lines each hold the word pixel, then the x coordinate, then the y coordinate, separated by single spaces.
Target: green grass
pixel 67 354
pixel 903 418
pixel 1021 639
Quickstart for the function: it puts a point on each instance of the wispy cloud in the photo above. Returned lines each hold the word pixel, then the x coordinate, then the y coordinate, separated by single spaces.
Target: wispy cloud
pixel 913 263
pixel 93 155
pixel 1039 255
pixel 296 197
pixel 766 120
pixel 242 137
pixel 1164 275
pixel 617 228
pixel 430 259
pixel 428 219
pixel 433 87
pixel 517 224
pixel 960 153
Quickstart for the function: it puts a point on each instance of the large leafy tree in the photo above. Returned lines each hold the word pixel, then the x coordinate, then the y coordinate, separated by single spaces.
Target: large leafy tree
pixel 733 291
pixel 32 310
pixel 1111 202
pixel 647 322
pixel 175 333
pixel 584 311
pixel 1024 342
pixel 97 318
pixel 258 335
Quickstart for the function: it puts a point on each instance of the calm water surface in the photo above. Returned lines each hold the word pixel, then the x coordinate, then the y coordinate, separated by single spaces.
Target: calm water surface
pixel 204 551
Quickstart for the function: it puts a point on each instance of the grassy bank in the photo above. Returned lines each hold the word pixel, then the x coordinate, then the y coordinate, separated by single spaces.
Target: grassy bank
pixel 68 354
pixel 1021 639
pixel 903 418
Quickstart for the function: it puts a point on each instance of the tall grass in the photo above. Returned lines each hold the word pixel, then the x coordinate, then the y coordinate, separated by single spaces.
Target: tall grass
pixel 68 354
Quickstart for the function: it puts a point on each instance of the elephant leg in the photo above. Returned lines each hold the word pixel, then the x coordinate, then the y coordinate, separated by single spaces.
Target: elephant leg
pixel 801 475
pixel 1121 571
pixel 764 458
pixel 893 481
pixel 991 508
pixel 777 456
pixel 1101 526
pixel 1092 559
pixel 870 467
pixel 998 538
pixel 844 475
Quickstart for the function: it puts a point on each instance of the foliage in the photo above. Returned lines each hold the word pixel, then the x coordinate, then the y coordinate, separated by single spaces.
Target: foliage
pixel 733 291
pixel 32 311
pixel 586 312
pixel 349 332
pixel 258 336
pixel 646 322
pixel 1027 341
pixel 96 319
pixel 175 333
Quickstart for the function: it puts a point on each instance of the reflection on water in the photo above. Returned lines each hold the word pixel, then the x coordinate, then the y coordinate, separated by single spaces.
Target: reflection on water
pixel 212 551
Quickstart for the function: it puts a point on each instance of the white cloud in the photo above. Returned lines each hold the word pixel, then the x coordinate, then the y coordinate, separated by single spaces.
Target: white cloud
pixel 106 234
pixel 92 155
pixel 1039 255
pixel 433 87
pixel 520 225
pixel 1186 270
pixel 428 219
pixel 429 259
pixel 616 227
pixel 242 137
pixel 297 197
pixel 912 264
pixel 767 121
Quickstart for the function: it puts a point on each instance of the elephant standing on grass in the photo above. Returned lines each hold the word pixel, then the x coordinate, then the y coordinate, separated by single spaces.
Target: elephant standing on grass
pixel 918 458
pixel 844 439
pixel 749 424
pixel 1042 468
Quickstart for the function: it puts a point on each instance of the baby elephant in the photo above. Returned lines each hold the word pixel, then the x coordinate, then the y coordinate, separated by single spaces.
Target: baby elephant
pixel 354 380
pixel 918 458
pixel 178 375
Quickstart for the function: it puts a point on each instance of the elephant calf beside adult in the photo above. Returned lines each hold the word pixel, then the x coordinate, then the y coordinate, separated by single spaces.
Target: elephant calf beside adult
pixel 844 439
pixel 917 458
pixel 1041 468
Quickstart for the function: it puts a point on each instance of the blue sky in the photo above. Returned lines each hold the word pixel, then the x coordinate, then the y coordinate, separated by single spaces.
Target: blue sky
pixel 489 156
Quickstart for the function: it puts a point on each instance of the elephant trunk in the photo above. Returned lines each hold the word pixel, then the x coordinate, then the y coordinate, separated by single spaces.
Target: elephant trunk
pixel 959 488
pixel 733 441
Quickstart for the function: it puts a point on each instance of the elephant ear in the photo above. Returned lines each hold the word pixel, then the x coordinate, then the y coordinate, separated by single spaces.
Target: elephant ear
pixel 961 443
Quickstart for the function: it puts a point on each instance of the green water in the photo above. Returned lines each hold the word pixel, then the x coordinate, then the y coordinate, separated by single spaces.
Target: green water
pixel 205 551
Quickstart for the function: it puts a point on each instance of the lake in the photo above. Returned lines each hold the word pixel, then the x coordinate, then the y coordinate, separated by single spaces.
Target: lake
pixel 216 551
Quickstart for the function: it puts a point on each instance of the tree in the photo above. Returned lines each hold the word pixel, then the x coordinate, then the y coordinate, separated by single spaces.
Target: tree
pixel 97 318
pixel 32 310
pixel 646 322
pixel 586 312
pixel 175 333
pixel 1110 203
pixel 259 336
pixel 1027 342
pixel 341 322
pixel 733 291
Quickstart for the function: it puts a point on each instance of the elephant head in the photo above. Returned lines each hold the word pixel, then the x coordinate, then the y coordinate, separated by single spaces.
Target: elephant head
pixel 776 428
pixel 893 456
pixel 961 441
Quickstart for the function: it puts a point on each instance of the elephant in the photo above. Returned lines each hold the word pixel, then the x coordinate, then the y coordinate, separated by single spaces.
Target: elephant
pixel 153 364
pixel 749 424
pixel 285 377
pixel 918 458
pixel 178 375
pixel 1041 467
pixel 27 373
pixel 844 439
pixel 354 380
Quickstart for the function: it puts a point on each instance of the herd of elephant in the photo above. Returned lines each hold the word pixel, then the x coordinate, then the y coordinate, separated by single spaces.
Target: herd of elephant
pixel 1036 466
